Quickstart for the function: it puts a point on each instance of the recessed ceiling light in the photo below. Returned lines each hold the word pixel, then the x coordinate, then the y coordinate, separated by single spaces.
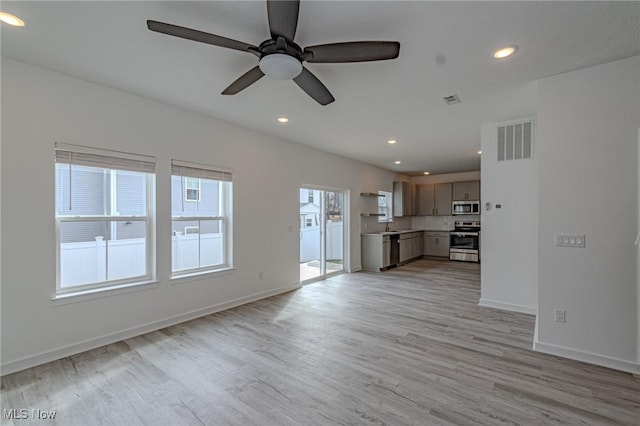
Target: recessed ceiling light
pixel 391 141
pixel 426 173
pixel 504 52
pixel 479 152
pixel 283 119
pixel 10 19
pixel 398 162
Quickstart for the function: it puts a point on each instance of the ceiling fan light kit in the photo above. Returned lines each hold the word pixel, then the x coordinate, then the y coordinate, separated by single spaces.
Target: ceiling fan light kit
pixel 280 66
pixel 279 56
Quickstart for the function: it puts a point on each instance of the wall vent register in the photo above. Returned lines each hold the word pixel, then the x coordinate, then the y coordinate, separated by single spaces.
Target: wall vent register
pixel 515 141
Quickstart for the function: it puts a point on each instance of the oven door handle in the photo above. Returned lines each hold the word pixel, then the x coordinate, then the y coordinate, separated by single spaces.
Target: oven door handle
pixel 464 234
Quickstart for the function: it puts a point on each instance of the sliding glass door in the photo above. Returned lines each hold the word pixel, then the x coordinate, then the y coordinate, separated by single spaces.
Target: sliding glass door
pixel 322 231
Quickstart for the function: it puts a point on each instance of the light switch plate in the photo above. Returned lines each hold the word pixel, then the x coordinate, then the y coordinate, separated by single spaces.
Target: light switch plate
pixel 569 240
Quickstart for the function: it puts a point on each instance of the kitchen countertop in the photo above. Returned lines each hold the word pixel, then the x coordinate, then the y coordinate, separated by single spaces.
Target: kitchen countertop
pixel 405 231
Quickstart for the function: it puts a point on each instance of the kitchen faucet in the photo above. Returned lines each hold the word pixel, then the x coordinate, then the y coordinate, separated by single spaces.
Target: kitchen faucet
pixel 386 227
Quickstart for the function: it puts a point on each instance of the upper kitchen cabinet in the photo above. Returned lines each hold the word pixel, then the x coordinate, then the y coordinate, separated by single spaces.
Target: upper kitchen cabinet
pixel 426 199
pixel 465 191
pixel 434 199
pixel 403 195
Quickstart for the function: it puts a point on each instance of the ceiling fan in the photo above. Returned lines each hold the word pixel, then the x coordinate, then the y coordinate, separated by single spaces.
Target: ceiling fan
pixel 280 57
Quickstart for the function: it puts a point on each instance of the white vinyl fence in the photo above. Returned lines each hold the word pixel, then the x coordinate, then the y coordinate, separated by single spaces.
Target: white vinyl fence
pixel 89 262
pixel 310 242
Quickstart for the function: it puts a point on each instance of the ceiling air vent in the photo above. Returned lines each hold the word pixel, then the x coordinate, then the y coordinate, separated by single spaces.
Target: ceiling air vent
pixel 452 99
pixel 515 141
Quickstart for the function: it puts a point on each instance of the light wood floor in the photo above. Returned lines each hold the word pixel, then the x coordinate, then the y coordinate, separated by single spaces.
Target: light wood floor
pixel 406 347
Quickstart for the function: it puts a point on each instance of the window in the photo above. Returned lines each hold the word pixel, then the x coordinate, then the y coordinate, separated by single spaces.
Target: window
pixel 200 220
pixel 104 231
pixel 192 189
pixel 385 206
pixel 309 222
pixel 191 230
pixel 311 196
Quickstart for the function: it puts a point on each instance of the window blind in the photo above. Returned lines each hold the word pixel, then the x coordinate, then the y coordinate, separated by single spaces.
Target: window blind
pixel 184 169
pixel 94 157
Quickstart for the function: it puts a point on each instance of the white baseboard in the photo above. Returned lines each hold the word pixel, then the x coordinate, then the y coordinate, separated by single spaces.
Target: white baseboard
pixel 524 309
pixel 355 269
pixel 589 357
pixel 76 348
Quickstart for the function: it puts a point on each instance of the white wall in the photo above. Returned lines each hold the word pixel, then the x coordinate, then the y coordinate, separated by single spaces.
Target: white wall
pixel 509 244
pixel 587 143
pixel 447 177
pixel 40 107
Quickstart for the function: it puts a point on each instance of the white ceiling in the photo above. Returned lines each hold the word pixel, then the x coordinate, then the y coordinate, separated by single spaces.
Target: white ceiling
pixel 445 49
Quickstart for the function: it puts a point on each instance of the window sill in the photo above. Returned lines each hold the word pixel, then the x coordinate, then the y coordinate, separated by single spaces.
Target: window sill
pixel 200 275
pixel 96 293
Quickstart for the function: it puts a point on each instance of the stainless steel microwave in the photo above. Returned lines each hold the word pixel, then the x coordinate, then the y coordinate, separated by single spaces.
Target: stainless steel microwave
pixel 466 207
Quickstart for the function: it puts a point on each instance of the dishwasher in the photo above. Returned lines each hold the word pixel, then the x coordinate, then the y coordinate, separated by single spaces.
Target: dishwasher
pixel 394 241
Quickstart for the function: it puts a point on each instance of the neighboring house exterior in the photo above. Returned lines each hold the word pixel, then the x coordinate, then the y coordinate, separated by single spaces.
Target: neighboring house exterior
pixel 309 208
pixel 194 197
pixel 309 215
pixel 95 191
pixel 88 191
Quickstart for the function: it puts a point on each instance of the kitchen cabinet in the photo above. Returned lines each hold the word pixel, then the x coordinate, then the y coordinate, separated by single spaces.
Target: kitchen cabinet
pixel 403 194
pixel 436 243
pixel 406 248
pixel 417 244
pixel 410 246
pixel 434 199
pixel 464 191
pixel 376 252
pixel 376 249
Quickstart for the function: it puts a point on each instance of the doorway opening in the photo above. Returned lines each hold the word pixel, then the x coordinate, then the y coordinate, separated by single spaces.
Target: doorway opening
pixel 322 233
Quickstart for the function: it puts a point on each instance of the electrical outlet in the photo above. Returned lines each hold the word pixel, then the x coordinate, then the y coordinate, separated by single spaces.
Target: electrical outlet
pixel 560 315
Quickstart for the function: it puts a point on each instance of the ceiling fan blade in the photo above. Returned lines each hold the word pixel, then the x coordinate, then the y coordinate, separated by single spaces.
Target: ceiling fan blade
pixel 195 35
pixel 283 18
pixel 355 51
pixel 245 80
pixel 313 87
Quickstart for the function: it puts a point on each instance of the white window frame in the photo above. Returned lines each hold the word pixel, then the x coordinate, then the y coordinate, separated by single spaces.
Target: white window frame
pixel 388 206
pixel 110 160
pixel 186 170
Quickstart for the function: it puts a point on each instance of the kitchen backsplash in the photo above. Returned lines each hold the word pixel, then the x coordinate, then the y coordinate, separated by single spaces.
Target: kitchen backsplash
pixel 439 222
pixel 371 225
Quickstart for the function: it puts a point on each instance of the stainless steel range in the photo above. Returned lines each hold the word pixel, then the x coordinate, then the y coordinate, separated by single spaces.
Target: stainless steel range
pixel 464 241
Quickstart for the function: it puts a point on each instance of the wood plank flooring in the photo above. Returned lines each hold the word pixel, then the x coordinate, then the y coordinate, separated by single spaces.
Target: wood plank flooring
pixel 406 347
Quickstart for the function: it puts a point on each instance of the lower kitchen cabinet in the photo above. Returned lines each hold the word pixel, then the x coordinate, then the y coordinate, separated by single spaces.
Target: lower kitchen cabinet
pixel 436 243
pixel 406 248
pixel 410 246
pixel 376 249
pixel 376 252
